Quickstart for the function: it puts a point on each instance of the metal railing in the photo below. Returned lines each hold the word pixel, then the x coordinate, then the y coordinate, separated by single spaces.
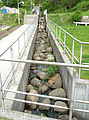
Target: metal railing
pixel 71 100
pixel 16 50
pixel 62 38
pixel 4 90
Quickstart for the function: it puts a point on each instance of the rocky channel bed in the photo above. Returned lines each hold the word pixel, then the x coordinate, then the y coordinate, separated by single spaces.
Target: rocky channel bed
pixel 45 80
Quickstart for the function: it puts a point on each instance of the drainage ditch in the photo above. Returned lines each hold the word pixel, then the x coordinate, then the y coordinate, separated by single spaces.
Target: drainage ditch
pixel 45 80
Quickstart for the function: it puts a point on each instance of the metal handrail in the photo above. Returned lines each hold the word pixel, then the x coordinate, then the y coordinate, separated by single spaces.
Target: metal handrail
pixel 87 43
pixel 14 42
pixel 71 100
pixel 65 31
pixel 45 63
pixel 55 28
pixel 71 107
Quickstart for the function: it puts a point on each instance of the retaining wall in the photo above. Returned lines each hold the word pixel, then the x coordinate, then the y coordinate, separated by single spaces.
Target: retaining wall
pixel 30 19
pixel 21 77
pixel 81 86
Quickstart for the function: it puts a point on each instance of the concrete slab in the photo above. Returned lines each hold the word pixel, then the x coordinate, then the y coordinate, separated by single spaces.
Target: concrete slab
pixel 14 115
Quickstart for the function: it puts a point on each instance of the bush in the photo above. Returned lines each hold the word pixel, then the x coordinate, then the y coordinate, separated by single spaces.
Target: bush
pixel 82 6
pixel 9 19
pixel 76 16
pixel 46 5
pixel 52 70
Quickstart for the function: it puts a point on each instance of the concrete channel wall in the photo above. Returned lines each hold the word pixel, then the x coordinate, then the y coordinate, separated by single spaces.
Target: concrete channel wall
pixel 81 86
pixel 21 76
pixel 25 74
pixel 30 19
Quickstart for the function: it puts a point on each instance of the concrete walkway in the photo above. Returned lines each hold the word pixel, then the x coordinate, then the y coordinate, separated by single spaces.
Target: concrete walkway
pixel 11 115
pixel 5 67
pixel 6 42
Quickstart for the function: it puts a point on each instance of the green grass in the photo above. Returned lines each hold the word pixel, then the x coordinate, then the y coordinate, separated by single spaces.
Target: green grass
pixel 9 19
pixel 1 118
pixel 79 32
pixel 61 19
pixel 0 105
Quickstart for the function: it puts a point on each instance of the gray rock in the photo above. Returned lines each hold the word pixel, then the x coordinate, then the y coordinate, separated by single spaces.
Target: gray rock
pixel 43 51
pixel 59 92
pixel 44 69
pixel 74 118
pixel 47 40
pixel 37 58
pixel 34 71
pixel 36 82
pixel 42 42
pixel 63 117
pixel 63 104
pixel 27 111
pixel 37 42
pixel 43 75
pixel 45 35
pixel 41 55
pixel 42 47
pixel 33 68
pixel 46 54
pixel 50 58
pixel 46 101
pixel 32 98
pixel 43 88
pixel 43 115
pixel 36 55
pixel 55 81
pixel 29 87
pixel 42 27
pixel 49 50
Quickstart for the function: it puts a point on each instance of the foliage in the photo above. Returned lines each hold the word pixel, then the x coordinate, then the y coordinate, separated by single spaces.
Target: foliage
pixel 1 4
pixel 61 19
pixel 35 87
pixel 82 6
pixel 46 5
pixel 43 81
pixel 11 3
pixel 2 118
pixel 22 12
pixel 52 70
pixel 9 19
pixel 76 16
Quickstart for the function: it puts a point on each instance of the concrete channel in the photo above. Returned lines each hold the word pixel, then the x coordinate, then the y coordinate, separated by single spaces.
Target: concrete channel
pixel 42 48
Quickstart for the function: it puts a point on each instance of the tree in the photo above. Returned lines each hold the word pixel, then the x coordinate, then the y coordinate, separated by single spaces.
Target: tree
pixel 11 3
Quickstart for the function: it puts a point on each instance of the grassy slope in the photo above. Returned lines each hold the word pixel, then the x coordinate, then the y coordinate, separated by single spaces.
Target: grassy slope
pixel 9 19
pixel 1 118
pixel 79 32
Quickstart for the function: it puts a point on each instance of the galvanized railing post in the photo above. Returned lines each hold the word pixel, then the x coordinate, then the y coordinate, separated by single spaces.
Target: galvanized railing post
pixel 73 52
pixel 18 48
pixel 64 41
pixel 27 34
pixel 60 33
pixel 54 28
pixel 56 32
pixel 80 61
pixel 12 57
pixel 1 92
pixel 24 42
pixel 24 38
pixel 72 95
